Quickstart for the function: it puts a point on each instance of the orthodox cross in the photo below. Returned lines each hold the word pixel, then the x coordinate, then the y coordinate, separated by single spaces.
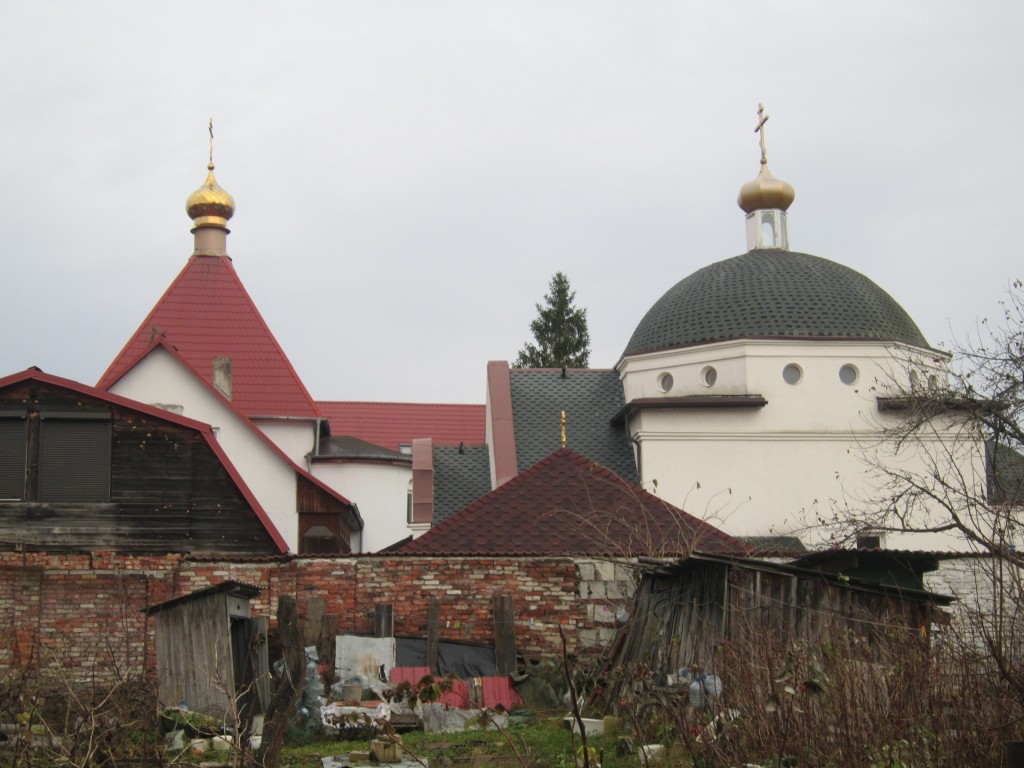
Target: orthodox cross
pixel 762 118
pixel 563 429
pixel 211 143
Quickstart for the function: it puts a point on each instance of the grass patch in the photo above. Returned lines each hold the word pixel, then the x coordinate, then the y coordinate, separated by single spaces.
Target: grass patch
pixel 542 744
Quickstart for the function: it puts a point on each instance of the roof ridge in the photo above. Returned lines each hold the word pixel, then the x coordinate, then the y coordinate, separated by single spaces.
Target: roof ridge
pixel 568 370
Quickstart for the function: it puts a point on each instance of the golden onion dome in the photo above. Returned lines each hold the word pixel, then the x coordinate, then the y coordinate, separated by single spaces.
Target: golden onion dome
pixel 765 192
pixel 210 205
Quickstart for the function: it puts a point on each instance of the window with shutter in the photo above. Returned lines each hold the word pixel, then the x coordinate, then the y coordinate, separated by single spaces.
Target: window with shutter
pixel 74 459
pixel 12 455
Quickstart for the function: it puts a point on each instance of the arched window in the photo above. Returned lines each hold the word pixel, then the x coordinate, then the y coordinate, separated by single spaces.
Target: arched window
pixel 767 232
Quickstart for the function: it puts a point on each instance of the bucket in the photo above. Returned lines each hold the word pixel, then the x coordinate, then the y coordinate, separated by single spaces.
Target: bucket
pixel 352 692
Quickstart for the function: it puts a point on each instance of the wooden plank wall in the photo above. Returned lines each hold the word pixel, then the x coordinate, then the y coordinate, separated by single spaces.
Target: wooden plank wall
pixel 317 507
pixel 168 491
pixel 681 617
pixel 194 664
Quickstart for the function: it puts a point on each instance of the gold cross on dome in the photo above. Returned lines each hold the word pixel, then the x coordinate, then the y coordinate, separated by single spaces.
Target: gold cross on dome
pixel 211 143
pixel 563 429
pixel 762 118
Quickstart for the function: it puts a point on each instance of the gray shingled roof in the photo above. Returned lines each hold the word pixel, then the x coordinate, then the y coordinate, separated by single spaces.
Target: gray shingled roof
pixel 590 399
pixel 772 293
pixel 345 447
pixel 459 478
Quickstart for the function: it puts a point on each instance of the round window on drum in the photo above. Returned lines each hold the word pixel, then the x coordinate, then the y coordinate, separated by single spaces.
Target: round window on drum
pixel 792 374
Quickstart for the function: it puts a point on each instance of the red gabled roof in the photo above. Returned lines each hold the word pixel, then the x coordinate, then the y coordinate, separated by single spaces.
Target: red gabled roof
pixel 206 313
pixel 568 505
pixel 205 430
pixel 392 424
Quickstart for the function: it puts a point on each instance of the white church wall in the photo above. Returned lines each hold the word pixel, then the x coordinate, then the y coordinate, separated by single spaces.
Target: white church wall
pixel 775 468
pixel 296 437
pixel 162 381
pixel 380 490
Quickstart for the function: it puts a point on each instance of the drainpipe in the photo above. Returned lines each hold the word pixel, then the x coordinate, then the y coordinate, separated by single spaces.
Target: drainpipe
pixel 639 454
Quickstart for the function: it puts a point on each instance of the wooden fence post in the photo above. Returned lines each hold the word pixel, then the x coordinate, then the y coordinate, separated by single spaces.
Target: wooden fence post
pixel 384 621
pixel 433 630
pixel 504 635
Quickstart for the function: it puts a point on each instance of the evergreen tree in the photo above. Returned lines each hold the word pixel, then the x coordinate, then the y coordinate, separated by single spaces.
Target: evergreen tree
pixel 560 331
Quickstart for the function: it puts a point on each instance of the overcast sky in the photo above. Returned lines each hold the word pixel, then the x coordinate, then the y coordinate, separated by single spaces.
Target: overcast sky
pixel 409 175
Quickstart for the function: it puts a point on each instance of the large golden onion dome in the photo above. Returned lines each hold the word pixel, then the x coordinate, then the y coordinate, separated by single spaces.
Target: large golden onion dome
pixel 766 192
pixel 210 205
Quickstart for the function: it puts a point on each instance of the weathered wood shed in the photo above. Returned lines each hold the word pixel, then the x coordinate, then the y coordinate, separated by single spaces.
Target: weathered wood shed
pixel 687 608
pixel 212 653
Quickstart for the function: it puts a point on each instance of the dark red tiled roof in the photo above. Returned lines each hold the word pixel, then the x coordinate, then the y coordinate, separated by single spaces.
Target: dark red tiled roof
pixel 206 313
pixel 392 424
pixel 566 504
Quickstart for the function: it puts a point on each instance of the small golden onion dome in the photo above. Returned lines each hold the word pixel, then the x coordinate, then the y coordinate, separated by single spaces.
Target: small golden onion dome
pixel 765 192
pixel 210 205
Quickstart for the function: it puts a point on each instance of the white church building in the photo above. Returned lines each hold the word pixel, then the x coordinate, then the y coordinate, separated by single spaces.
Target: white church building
pixel 754 394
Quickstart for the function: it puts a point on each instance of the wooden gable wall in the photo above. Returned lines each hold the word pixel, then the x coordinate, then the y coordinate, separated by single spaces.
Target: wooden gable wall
pixel 168 491
pixel 318 509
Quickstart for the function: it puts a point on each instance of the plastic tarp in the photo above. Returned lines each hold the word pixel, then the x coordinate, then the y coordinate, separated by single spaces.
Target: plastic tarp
pixel 456 659
pixel 438 718
pixel 365 660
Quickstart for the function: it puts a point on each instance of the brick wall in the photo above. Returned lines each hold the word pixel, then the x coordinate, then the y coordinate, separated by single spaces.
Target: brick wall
pixel 83 613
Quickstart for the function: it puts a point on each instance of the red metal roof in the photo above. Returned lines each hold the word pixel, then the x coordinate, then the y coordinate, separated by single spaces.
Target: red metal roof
pixel 392 424
pixel 568 505
pixel 206 313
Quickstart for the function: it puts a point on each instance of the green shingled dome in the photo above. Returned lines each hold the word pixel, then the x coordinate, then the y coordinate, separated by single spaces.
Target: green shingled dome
pixel 771 294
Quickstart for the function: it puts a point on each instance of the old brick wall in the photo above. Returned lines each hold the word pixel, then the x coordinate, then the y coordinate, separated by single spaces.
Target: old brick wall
pixel 82 613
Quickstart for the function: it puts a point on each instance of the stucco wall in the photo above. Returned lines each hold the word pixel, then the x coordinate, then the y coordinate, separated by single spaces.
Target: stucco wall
pixel 775 468
pixel 296 437
pixel 380 491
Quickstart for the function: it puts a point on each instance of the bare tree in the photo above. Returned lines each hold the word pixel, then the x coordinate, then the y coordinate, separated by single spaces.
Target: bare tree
pixel 951 464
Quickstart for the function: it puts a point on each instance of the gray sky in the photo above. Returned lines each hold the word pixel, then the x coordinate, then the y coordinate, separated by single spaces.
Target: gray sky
pixel 409 175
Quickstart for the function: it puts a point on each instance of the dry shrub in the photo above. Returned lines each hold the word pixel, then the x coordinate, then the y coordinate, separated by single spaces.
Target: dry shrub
pixel 887 697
